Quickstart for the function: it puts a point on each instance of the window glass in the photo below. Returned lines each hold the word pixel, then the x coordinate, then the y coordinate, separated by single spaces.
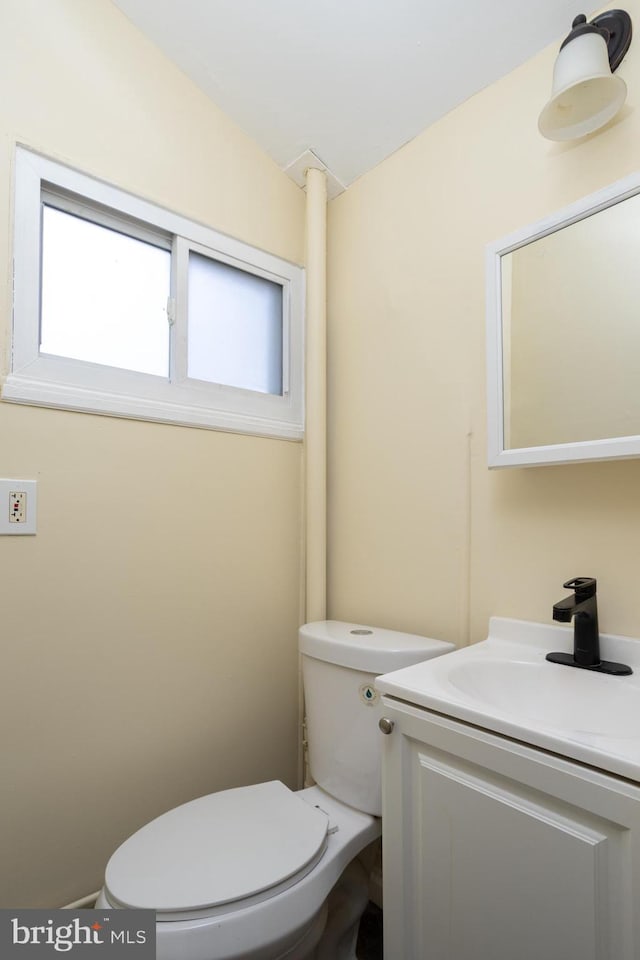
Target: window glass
pixel 125 308
pixel 234 327
pixel 104 295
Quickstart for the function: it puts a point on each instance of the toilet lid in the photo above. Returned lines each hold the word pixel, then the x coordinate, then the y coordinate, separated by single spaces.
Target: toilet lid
pixel 223 847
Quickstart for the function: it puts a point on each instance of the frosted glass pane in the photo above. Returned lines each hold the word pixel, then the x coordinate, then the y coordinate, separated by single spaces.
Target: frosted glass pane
pixel 104 295
pixel 235 327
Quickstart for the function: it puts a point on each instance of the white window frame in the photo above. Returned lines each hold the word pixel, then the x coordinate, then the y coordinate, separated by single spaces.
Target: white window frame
pixel 51 381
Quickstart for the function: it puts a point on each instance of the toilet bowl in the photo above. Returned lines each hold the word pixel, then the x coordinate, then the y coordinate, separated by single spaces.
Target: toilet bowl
pixel 262 872
pixel 257 914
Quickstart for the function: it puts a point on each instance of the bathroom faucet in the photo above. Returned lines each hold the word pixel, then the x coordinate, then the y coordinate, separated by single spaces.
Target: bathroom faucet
pixel 582 608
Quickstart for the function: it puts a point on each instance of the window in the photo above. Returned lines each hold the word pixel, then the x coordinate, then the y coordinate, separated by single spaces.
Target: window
pixel 248 322
pixel 104 295
pixel 123 308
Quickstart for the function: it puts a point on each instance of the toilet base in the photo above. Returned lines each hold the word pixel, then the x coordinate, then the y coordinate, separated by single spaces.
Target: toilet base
pixel 346 904
pixel 333 934
pixel 306 948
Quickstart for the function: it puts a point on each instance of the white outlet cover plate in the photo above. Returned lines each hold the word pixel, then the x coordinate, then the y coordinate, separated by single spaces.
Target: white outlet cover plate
pixel 7 487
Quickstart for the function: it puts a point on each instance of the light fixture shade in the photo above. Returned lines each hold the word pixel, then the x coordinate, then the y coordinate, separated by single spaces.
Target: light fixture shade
pixel 585 94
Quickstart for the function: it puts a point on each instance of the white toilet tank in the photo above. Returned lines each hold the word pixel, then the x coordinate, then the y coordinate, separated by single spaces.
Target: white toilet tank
pixel 340 662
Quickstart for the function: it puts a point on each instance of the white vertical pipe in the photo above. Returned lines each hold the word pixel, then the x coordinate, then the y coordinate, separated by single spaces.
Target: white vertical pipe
pixel 316 396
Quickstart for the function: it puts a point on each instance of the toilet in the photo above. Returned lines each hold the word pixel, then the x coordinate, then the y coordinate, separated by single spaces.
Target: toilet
pixel 262 872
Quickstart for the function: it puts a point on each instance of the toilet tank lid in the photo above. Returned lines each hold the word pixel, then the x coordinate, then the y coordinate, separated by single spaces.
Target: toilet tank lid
pixel 370 649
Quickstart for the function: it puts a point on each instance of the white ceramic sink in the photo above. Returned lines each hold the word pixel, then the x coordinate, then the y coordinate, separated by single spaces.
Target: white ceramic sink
pixel 505 684
pixel 548 697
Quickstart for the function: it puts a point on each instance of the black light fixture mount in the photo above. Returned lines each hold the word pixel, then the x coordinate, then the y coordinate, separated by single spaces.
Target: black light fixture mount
pixel 615 27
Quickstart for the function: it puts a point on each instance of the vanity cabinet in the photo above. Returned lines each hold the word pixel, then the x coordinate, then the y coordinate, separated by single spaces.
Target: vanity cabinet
pixel 495 850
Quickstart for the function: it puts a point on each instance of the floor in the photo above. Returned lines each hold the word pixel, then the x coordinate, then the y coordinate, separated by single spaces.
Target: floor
pixel 369 945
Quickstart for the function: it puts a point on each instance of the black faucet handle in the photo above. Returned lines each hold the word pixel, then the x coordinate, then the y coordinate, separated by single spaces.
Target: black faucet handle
pixel 584 587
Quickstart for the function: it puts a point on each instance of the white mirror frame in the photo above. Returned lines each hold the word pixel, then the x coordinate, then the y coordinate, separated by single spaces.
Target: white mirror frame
pixel 616 448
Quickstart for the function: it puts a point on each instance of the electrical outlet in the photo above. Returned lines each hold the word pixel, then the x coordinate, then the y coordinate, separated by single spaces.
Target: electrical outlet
pixel 18 506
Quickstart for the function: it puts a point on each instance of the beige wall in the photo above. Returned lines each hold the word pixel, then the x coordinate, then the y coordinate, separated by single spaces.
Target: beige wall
pixel 422 535
pixel 148 647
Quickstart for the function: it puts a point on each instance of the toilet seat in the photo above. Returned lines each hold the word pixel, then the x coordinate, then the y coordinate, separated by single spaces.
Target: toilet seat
pixel 242 844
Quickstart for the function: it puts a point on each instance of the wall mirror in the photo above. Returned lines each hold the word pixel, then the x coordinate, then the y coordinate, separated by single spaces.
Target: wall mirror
pixel 563 334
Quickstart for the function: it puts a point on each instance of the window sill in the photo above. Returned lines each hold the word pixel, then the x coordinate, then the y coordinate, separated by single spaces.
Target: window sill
pixel 41 393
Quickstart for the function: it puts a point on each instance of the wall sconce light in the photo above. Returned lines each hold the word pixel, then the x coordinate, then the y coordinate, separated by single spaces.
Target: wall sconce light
pixel 585 95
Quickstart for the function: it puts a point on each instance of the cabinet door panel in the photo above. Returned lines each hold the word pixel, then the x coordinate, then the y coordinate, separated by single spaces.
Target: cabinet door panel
pixel 483 865
pixel 516 866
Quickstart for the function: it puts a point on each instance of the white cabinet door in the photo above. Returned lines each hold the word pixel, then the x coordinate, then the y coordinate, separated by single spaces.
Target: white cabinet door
pixel 497 851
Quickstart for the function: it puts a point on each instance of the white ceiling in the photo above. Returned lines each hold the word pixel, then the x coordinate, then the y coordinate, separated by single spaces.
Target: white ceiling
pixel 351 80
